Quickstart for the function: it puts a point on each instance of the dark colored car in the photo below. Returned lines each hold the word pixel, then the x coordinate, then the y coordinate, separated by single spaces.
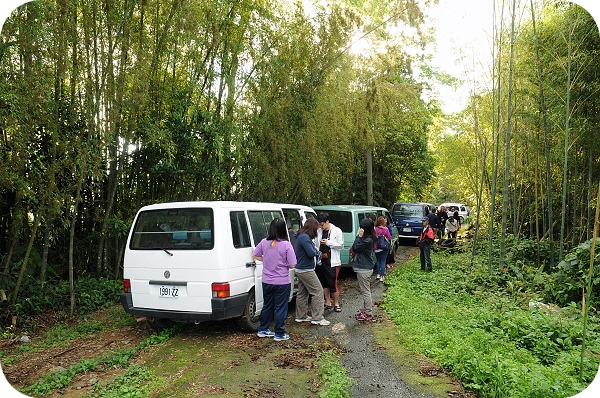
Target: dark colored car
pixel 407 218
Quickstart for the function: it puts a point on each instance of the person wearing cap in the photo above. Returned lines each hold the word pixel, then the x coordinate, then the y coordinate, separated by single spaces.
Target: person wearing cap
pixel 330 240
pixel 424 242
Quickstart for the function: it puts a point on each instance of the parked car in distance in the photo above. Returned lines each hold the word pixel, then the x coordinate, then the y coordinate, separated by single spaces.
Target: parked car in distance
pixel 463 211
pixel 408 217
pixel 348 218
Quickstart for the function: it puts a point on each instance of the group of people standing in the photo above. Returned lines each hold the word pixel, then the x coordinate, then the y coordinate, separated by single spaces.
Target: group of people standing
pixel 435 225
pixel 315 256
pixel 443 223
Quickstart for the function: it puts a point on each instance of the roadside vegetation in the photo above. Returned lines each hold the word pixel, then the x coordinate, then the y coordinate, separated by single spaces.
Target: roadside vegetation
pixel 517 332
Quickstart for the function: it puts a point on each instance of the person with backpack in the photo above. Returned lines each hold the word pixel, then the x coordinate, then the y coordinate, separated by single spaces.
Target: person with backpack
pixel 382 246
pixel 362 265
pixel 424 242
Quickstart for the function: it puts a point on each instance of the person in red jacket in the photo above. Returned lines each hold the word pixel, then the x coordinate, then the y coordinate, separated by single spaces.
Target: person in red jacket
pixel 425 240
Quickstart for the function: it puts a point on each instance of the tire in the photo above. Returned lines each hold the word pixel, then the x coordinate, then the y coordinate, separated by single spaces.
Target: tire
pixel 249 321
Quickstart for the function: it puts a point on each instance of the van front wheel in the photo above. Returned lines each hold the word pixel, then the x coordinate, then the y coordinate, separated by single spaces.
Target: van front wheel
pixel 249 320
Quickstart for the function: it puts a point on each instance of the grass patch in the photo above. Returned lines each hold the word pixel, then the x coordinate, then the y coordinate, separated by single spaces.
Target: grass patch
pixel 337 383
pixel 488 338
pixel 110 359
pixel 136 382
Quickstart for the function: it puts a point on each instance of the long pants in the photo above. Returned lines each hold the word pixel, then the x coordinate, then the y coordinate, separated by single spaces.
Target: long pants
pixel 381 261
pixel 426 257
pixel 364 284
pixel 275 307
pixel 309 285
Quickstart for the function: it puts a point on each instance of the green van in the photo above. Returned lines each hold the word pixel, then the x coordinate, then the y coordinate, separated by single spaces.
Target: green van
pixel 348 218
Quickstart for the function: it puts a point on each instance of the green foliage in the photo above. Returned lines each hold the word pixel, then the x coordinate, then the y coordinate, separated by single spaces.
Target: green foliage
pixel 135 383
pixel 90 294
pixel 337 383
pixel 483 329
pixel 572 274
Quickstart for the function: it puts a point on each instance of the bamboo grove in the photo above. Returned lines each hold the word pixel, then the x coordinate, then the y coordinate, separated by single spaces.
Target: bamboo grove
pixel 106 106
pixel 528 151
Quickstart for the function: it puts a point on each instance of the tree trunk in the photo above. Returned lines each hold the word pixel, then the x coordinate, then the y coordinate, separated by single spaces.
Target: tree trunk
pixel 544 115
pixel 566 155
pixel 507 143
pixel 25 261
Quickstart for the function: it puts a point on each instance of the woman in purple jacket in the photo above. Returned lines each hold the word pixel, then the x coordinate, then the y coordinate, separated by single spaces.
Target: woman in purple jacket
pixel 277 255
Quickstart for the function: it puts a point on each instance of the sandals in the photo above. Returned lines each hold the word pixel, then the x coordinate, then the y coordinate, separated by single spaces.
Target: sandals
pixel 337 308
pixel 328 307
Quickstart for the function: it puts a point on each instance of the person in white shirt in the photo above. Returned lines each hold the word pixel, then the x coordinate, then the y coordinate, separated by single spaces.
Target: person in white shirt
pixel 330 241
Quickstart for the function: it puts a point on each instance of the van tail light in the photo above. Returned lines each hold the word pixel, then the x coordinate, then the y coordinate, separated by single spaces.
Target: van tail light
pixel 126 286
pixel 221 290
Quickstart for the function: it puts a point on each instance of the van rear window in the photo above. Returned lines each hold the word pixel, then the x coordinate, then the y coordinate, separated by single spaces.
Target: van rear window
pixel 174 229
pixel 341 219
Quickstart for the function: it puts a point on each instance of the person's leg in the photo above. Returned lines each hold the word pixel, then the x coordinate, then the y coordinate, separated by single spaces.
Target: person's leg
pixel 364 283
pixel 335 293
pixel 422 257
pixel 301 297
pixel 314 289
pixel 381 257
pixel 329 274
pixel 427 251
pixel 282 295
pixel 266 315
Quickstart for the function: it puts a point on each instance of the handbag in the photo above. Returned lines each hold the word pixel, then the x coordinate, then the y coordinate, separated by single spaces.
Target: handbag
pixel 383 243
pixel 352 258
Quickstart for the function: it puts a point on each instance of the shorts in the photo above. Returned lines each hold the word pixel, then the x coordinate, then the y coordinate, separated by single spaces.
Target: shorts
pixel 328 276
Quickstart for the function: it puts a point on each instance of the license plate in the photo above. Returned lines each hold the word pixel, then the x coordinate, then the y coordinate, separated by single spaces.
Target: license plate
pixel 168 291
pixel 406 229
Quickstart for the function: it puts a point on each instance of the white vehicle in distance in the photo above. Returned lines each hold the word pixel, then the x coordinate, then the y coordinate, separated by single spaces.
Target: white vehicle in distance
pixel 463 210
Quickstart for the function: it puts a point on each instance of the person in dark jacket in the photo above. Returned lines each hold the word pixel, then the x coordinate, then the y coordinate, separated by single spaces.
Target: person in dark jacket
pixel 308 282
pixel 363 249
pixel 434 221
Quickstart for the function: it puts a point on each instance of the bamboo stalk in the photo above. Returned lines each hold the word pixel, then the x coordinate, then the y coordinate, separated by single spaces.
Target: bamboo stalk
pixel 588 288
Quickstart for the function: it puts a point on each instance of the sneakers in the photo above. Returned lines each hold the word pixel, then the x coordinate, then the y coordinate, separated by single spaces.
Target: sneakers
pixel 265 333
pixel 281 338
pixel 382 278
pixel 305 319
pixel 378 277
pixel 363 316
pixel 322 322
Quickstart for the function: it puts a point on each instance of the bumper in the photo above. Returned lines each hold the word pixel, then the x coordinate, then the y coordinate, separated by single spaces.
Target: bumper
pixel 222 308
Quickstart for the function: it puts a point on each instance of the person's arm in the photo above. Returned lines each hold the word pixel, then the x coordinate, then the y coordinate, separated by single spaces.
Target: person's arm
pixel 362 244
pixel 338 240
pixel 257 254
pixel 291 256
pixel 309 247
pixel 388 234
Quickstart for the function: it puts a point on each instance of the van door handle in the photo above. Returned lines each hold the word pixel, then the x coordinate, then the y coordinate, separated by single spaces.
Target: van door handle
pixel 251 264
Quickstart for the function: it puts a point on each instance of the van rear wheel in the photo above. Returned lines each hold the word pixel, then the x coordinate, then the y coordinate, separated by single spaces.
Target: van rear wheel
pixel 249 320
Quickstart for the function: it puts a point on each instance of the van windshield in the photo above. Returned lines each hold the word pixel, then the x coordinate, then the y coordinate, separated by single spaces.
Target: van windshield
pixel 174 229
pixel 407 210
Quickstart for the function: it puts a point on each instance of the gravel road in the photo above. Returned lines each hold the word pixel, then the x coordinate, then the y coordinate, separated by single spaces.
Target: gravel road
pixel 375 372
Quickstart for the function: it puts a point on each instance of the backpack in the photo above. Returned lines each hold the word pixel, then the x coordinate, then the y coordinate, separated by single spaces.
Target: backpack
pixel 383 243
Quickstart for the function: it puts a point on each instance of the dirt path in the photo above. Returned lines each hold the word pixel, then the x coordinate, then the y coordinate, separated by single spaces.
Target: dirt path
pixel 216 359
pixel 369 358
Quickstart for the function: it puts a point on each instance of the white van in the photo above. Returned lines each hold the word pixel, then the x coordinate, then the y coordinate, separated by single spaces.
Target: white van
pixel 192 261
pixel 463 211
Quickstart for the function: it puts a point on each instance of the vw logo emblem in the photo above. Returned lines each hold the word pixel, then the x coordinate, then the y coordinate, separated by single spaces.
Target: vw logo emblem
pixel 167 274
